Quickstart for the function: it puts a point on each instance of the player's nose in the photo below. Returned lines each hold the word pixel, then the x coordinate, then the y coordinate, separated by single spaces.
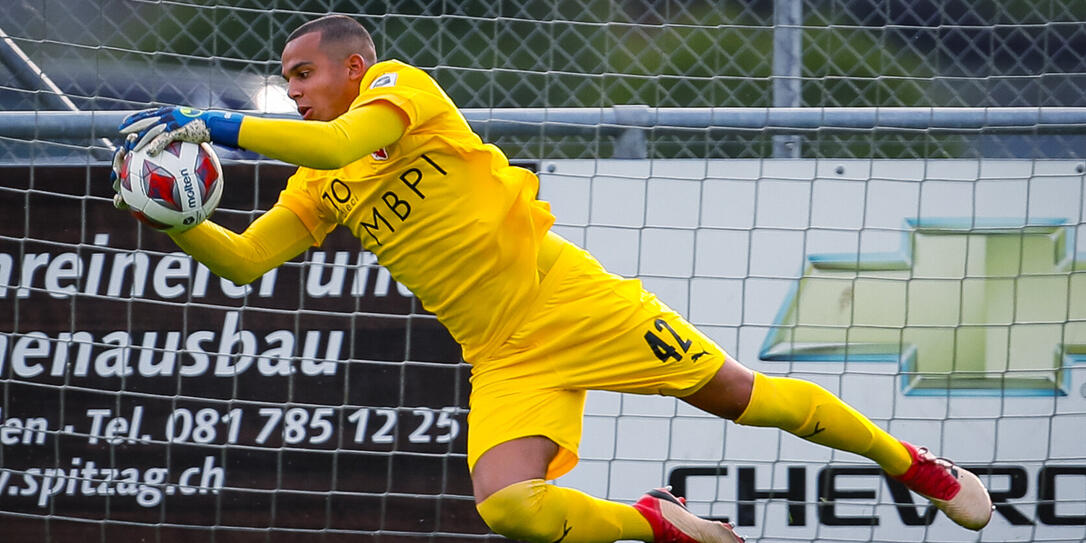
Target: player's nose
pixel 293 91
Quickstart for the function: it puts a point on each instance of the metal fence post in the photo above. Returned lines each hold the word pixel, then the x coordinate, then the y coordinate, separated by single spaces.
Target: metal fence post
pixel 631 141
pixel 787 68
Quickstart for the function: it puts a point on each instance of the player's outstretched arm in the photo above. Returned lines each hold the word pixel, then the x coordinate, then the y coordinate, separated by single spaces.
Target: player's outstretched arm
pixel 325 145
pixel 312 144
pixel 274 238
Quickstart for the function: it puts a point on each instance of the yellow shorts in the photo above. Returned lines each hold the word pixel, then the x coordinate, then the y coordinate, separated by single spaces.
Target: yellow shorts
pixel 588 330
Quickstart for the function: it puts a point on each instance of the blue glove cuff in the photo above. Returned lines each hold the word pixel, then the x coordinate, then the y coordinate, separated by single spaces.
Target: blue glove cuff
pixel 224 127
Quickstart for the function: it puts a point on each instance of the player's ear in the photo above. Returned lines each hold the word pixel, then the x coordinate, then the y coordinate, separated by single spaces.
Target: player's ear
pixel 356 67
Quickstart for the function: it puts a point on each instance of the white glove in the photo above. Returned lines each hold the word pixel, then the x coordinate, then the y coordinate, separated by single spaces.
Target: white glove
pixel 118 163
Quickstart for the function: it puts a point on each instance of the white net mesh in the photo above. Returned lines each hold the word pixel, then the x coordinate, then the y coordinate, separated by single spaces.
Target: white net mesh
pixel 937 297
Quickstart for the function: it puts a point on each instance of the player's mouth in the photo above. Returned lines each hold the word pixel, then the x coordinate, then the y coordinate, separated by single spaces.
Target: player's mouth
pixel 305 112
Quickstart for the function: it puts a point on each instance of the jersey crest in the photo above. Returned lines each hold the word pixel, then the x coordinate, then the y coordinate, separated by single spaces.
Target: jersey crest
pixel 384 80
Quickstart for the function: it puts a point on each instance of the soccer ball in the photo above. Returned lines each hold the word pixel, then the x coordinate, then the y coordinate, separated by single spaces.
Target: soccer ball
pixel 174 190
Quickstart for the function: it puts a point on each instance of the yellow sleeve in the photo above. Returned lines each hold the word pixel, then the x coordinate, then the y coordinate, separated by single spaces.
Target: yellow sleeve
pixel 274 238
pixel 325 145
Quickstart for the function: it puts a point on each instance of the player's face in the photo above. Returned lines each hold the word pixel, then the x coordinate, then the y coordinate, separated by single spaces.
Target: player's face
pixel 321 85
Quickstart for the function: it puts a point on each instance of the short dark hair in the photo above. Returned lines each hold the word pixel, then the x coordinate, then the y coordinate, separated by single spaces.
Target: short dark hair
pixel 343 31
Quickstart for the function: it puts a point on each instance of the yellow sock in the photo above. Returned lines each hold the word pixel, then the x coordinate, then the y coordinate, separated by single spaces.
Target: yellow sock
pixel 536 511
pixel 811 412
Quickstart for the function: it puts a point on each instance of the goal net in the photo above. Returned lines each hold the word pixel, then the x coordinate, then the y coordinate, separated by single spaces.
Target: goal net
pixel 931 277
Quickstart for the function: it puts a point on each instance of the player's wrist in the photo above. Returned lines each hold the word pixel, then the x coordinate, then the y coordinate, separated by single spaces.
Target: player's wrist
pixel 223 126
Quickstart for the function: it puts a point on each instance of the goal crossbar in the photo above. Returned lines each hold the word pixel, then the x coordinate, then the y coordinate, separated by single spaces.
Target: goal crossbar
pixel 563 121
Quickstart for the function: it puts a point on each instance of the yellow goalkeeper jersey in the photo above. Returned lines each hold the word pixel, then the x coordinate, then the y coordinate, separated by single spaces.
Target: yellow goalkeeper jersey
pixel 444 212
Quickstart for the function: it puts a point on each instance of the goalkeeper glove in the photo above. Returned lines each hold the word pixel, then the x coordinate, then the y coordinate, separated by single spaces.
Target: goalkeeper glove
pixel 156 128
pixel 115 175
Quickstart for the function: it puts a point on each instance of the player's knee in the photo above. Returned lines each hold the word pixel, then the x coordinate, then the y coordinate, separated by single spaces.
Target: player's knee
pixel 523 511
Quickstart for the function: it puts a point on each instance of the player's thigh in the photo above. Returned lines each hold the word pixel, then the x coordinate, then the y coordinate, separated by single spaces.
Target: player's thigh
pixel 727 393
pixel 601 331
pixel 510 405
pixel 650 351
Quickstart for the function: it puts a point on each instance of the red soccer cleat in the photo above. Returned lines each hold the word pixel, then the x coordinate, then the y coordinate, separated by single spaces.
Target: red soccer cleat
pixel 953 489
pixel 672 523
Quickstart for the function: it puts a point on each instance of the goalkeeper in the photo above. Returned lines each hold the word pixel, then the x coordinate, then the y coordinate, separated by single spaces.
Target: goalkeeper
pixel 383 151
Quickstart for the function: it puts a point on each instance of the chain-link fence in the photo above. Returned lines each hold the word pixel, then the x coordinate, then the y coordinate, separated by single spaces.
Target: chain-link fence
pixel 125 54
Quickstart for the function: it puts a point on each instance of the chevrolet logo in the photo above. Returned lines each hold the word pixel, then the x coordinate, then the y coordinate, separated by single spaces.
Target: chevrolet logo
pixel 982 309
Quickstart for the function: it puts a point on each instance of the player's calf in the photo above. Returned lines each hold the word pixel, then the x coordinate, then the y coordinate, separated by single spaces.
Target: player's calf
pixel 954 490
